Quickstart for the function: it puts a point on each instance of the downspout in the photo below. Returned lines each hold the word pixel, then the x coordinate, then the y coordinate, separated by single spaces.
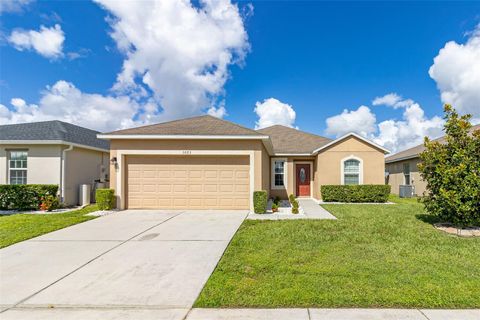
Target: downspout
pixel 62 175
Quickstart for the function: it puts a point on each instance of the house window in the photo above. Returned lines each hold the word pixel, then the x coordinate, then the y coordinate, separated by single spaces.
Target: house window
pixel 17 167
pixel 351 171
pixel 278 173
pixel 406 173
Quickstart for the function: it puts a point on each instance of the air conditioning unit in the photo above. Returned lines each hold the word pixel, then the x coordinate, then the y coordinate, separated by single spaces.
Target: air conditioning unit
pixel 406 191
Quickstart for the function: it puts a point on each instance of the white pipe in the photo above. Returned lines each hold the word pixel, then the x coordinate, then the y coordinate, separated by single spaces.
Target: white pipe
pixel 62 178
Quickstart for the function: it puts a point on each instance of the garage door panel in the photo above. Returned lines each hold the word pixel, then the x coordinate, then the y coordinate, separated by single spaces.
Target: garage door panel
pixel 193 182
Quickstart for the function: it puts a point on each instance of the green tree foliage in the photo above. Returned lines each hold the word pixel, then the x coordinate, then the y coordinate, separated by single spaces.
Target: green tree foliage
pixel 452 172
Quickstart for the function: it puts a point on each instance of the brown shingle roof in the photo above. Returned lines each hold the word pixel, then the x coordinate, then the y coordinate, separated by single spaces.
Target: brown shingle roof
pixel 289 140
pixel 201 125
pixel 415 151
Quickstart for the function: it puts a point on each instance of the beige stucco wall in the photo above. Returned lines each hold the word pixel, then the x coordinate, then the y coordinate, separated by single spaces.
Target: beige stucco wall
pixel 329 168
pixel 396 177
pixel 43 163
pixel 188 145
pixel 83 166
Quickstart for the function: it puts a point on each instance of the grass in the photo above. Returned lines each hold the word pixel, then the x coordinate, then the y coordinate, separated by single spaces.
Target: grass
pixel 372 256
pixel 19 227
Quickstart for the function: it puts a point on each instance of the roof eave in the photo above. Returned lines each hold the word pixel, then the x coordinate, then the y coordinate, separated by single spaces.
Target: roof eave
pixel 403 158
pixel 181 137
pixel 62 142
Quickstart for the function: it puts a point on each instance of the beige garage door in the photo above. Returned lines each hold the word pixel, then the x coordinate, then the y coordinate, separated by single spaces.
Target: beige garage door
pixel 188 182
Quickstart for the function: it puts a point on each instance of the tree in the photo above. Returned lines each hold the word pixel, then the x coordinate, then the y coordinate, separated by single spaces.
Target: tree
pixel 452 172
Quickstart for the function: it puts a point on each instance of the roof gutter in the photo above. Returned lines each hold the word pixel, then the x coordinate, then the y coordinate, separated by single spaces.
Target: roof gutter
pixel 180 137
pixel 402 159
pixel 63 142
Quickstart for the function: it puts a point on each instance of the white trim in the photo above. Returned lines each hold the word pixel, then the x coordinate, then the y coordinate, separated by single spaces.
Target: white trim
pixel 272 174
pixel 360 169
pixel 295 177
pixel 62 175
pixel 120 184
pixel 26 142
pixel 351 134
pixel 181 137
pixel 293 154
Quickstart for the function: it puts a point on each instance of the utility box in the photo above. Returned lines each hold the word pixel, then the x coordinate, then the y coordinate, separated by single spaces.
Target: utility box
pixel 84 194
pixel 406 191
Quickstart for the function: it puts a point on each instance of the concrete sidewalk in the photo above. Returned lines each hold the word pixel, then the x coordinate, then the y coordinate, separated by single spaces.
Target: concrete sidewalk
pixel 126 313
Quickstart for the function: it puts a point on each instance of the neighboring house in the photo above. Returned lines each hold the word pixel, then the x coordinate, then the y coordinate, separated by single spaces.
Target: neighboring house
pixel 52 152
pixel 208 163
pixel 402 168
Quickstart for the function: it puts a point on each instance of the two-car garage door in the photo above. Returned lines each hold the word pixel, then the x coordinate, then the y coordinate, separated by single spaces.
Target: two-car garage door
pixel 187 182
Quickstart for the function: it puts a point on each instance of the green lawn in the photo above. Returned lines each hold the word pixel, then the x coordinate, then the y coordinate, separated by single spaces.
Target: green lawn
pixel 18 227
pixel 373 256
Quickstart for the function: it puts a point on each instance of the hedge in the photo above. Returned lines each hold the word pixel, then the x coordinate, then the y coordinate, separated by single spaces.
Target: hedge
pixel 260 201
pixel 105 199
pixel 355 193
pixel 25 196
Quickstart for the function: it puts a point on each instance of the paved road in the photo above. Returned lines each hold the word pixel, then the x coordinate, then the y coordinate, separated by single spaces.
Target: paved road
pixel 137 264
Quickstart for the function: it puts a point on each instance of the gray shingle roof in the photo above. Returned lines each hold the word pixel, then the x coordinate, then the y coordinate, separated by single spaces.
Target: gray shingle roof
pixel 53 130
pixel 201 125
pixel 289 140
pixel 415 151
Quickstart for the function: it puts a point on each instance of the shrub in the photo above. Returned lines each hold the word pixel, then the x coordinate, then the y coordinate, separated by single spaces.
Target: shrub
pixel 452 172
pixel 105 199
pixel 355 193
pixel 294 203
pixel 260 201
pixel 49 203
pixel 25 196
pixel 274 207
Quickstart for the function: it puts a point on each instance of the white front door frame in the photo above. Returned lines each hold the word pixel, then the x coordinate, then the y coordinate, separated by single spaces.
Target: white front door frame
pixel 120 169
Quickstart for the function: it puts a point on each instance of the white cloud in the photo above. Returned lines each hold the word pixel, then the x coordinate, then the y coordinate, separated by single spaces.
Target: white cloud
pixel 361 121
pixel 13 5
pixel 47 42
pixel 63 101
pixel 394 135
pixel 408 132
pixel 219 112
pixel 272 111
pixel 177 51
pixel 392 100
pixel 456 70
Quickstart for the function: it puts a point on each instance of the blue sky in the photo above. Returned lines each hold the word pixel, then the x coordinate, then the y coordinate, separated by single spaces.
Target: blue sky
pixel 316 58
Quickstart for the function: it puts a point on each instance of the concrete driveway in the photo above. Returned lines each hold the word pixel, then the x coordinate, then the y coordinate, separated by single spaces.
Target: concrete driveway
pixel 132 264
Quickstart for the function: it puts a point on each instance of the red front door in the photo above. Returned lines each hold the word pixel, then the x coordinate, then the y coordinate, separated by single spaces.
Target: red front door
pixel 303 180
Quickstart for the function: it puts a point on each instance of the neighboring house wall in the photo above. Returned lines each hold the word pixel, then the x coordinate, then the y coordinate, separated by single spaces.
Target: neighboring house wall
pixel 83 166
pixel 329 163
pixel 132 146
pixel 396 176
pixel 43 163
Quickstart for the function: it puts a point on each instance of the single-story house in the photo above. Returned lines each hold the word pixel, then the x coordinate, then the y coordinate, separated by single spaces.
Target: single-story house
pixel 209 163
pixel 53 152
pixel 402 168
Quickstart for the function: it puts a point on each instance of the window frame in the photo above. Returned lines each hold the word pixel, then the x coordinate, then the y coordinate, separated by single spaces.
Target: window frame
pixel 273 173
pixel 360 169
pixel 409 174
pixel 10 169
